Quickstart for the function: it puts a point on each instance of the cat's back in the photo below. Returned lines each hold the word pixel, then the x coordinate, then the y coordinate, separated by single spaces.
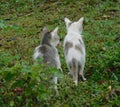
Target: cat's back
pixel 73 38
pixel 45 49
pixel 74 46
pixel 49 54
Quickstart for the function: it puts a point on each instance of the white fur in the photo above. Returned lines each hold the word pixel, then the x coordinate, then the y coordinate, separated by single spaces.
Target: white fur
pixel 37 53
pixel 75 27
pixel 74 36
pixel 58 61
pixel 54 43
pixel 54 34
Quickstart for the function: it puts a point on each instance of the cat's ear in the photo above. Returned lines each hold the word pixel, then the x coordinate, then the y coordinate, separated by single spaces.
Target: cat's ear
pixel 55 31
pixel 80 21
pixel 80 24
pixel 45 30
pixel 67 22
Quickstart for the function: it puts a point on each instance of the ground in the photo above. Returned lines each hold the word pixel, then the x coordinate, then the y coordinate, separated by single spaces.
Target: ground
pixel 25 83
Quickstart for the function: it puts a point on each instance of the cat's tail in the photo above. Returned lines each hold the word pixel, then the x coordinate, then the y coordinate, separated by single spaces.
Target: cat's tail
pixel 74 70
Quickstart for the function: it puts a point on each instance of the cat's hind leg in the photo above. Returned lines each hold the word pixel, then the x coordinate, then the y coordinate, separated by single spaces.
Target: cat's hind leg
pixel 75 77
pixel 74 70
pixel 81 72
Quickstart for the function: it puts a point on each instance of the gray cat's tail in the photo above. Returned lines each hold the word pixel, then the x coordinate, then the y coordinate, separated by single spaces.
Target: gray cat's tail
pixel 74 70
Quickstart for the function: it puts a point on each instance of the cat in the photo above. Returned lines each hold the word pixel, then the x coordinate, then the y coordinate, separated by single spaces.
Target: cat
pixel 47 50
pixel 74 49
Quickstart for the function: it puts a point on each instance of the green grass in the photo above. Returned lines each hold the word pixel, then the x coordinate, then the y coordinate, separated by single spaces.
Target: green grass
pixel 25 83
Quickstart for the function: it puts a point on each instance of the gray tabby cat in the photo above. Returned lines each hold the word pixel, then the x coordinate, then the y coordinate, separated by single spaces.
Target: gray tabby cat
pixel 48 51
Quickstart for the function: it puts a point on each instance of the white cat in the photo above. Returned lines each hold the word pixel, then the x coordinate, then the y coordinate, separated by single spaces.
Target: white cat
pixel 74 49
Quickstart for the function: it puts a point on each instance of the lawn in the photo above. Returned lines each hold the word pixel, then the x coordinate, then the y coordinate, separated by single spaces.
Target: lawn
pixel 25 83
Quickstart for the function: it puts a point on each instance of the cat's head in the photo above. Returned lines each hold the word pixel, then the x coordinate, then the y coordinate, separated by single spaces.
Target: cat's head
pixel 50 37
pixel 74 26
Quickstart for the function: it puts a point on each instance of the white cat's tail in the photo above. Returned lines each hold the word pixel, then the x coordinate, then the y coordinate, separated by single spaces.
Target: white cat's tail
pixel 74 70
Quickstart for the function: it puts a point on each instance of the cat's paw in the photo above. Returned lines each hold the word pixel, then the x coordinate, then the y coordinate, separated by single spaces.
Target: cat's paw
pixel 60 69
pixel 84 79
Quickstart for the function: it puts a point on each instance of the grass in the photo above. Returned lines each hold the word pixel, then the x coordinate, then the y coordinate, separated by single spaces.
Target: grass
pixel 24 82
